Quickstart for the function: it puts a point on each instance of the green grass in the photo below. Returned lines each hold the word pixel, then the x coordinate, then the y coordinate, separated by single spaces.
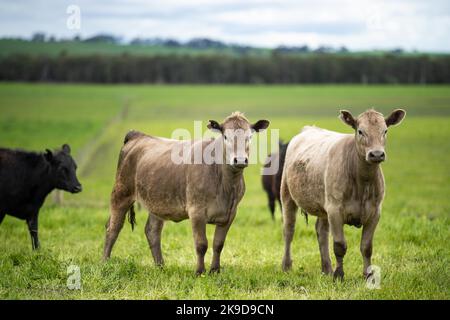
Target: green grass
pixel 411 244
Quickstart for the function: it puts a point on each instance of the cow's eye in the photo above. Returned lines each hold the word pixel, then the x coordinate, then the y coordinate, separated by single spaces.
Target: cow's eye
pixel 225 137
pixel 360 132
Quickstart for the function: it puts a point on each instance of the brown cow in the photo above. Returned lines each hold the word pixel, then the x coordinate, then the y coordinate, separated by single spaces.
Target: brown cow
pixel 204 193
pixel 337 177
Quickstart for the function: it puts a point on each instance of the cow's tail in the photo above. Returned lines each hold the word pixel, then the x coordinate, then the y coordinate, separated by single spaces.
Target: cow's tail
pixel 131 135
pixel 132 217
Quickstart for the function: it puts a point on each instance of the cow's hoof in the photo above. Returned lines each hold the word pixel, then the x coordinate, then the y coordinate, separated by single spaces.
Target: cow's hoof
pixel 286 265
pixel 338 274
pixel 200 272
pixel 327 270
pixel 366 274
pixel 215 270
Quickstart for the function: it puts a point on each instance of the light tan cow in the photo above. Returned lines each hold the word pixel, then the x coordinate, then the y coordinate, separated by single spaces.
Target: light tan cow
pixel 337 177
pixel 204 193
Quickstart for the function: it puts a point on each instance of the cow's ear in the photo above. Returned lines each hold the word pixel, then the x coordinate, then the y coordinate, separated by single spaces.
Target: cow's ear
pixel 66 148
pixel 48 155
pixel 214 126
pixel 347 118
pixel 395 117
pixel 260 125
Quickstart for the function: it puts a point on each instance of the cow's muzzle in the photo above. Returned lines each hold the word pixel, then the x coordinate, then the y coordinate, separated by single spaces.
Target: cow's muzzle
pixel 77 189
pixel 376 156
pixel 240 162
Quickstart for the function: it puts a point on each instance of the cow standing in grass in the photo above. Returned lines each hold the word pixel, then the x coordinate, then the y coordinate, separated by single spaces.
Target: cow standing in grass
pixel 26 178
pixel 202 192
pixel 337 177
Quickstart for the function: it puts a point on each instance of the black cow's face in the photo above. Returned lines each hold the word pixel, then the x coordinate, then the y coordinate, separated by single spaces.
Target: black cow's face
pixel 64 168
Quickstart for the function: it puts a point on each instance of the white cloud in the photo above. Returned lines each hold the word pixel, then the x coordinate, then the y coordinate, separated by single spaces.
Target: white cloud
pixel 364 24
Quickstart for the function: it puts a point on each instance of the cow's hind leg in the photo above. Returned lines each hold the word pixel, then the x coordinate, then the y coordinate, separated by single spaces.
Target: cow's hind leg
pixel 322 230
pixel 289 215
pixel 271 198
pixel 120 203
pixel 33 229
pixel 153 229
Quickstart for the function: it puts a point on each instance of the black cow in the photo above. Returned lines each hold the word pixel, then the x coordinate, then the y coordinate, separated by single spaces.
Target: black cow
pixel 272 182
pixel 26 178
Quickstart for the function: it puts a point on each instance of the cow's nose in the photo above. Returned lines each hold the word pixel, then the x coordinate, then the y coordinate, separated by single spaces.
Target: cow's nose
pixel 240 162
pixel 78 188
pixel 377 156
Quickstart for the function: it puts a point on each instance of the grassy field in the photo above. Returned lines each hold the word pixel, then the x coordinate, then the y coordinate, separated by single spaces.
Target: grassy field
pixel 411 244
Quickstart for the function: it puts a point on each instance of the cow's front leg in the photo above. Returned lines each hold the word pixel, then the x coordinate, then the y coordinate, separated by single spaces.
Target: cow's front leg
pixel 200 240
pixel 322 230
pixel 339 243
pixel 219 239
pixel 33 229
pixel 366 242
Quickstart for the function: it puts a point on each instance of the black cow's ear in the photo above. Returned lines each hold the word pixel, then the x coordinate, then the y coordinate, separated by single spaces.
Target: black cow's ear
pixel 66 148
pixel 48 155
pixel 214 125
pixel 347 118
pixel 260 125
pixel 395 117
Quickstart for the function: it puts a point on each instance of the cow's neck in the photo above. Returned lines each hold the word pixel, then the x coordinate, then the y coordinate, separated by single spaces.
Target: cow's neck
pixel 230 177
pixel 44 180
pixel 364 172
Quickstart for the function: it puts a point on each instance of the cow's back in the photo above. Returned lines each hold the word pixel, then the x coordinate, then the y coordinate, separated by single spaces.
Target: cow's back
pixel 307 159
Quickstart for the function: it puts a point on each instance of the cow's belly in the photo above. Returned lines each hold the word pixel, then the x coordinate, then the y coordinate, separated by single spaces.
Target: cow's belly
pixel 307 192
pixel 165 207
pixel 160 187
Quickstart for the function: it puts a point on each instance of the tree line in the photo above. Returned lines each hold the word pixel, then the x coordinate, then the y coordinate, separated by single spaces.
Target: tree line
pixel 217 68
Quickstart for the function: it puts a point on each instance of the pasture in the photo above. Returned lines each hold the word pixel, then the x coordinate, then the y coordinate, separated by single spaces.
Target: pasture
pixel 411 244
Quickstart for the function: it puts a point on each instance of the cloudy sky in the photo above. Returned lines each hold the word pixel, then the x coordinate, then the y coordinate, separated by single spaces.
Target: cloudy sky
pixel 359 25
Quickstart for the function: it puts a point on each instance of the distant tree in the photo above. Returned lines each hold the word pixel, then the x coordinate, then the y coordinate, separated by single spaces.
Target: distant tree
pixel 343 49
pixel 171 43
pixel 396 51
pixel 102 38
pixel 204 43
pixel 38 37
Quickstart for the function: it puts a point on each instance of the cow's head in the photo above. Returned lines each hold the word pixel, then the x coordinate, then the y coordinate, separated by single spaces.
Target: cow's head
pixel 371 129
pixel 237 133
pixel 64 169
